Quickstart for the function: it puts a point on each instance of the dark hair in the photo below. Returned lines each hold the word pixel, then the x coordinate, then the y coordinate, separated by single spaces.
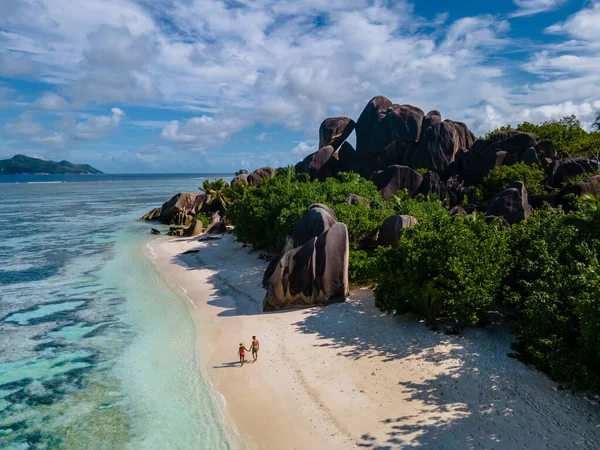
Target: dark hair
pixel 253 337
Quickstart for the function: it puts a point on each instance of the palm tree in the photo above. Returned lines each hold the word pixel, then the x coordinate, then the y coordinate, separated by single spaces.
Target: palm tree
pixel 216 191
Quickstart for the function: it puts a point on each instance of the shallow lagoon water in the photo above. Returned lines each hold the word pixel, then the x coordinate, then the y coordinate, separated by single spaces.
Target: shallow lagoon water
pixel 95 350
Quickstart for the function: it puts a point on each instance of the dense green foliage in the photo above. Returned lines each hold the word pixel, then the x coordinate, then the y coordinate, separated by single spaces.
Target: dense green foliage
pixel 555 288
pixel 202 217
pixel 566 134
pixel 444 267
pixel 499 178
pixel 543 274
pixel 263 216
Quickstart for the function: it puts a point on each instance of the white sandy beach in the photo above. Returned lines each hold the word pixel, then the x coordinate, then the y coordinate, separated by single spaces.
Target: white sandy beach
pixel 347 376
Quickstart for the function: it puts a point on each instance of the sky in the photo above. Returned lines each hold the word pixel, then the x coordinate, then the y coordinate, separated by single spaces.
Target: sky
pixel 140 86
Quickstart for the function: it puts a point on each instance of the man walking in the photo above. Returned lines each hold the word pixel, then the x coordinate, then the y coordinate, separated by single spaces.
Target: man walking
pixel 255 347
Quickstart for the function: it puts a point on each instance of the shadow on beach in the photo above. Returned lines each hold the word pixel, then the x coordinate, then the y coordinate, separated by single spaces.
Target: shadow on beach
pixel 479 389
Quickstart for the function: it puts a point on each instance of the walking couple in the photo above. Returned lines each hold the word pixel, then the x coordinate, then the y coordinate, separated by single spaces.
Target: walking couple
pixel 242 350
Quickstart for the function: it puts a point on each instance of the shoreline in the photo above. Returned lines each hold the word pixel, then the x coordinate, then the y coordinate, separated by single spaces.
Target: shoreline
pixel 346 375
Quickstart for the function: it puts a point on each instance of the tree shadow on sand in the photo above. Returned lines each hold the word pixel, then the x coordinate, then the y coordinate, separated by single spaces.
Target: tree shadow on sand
pixel 479 389
pixel 482 399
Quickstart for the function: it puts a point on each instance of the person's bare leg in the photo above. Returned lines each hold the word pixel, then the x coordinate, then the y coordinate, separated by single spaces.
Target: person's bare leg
pixel 255 355
pixel 241 360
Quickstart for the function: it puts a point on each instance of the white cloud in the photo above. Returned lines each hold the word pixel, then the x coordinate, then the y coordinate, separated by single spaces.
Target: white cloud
pixel 583 25
pixel 303 149
pixel 51 102
pixel 96 126
pixel 70 130
pixel 14 65
pixel 202 133
pixel 532 7
pixel 292 63
pixel 263 137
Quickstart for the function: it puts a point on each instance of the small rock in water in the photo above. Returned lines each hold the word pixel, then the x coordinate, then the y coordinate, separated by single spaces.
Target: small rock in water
pixel 154 231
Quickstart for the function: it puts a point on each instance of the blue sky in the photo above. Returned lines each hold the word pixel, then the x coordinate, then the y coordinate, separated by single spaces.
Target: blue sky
pixel 208 86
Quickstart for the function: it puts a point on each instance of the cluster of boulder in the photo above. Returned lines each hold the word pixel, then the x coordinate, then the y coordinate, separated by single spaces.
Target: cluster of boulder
pixel 312 268
pixel 254 178
pixel 400 147
pixel 181 209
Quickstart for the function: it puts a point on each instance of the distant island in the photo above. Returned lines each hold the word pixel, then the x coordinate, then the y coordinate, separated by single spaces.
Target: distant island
pixel 24 164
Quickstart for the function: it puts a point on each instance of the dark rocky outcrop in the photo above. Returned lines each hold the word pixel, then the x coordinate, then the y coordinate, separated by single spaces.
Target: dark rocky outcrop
pixel 354 199
pixel 433 185
pixel 186 203
pixel 314 274
pixel 153 214
pixel 182 219
pixel 403 123
pixel 512 204
pixel 175 231
pixel 572 167
pixel 194 229
pixel 217 224
pixel 334 131
pixel 500 149
pixel 316 219
pixel 439 144
pixel 370 133
pixel 241 178
pixel 395 178
pixel 391 229
pixel 254 178
pixel 154 231
pixel 348 160
pixel 591 186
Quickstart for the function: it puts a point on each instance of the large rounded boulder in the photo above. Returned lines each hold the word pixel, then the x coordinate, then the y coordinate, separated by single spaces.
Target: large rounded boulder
pixel 512 204
pixel 572 167
pixel 194 229
pixel 370 132
pixel 241 178
pixel 184 203
pixel 314 274
pixel 334 131
pixel 391 229
pixel 439 144
pixel 395 178
pixel 433 185
pixel 404 122
pixel 315 220
pixel 254 178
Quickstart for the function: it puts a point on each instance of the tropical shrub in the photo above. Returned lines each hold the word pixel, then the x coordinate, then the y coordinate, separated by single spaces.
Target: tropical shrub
pixel 499 178
pixel 263 216
pixel 362 267
pixel 202 217
pixel 566 134
pixel 443 267
pixel 555 289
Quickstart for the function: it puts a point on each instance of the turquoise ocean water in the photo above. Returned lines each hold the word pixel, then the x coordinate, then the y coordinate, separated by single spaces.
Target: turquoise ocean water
pixel 95 350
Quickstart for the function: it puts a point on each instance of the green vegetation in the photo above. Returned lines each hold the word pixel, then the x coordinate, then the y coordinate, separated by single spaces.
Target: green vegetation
pixel 24 164
pixel 217 192
pixel 566 134
pixel 499 178
pixel 202 217
pixel 263 216
pixel 555 289
pixel 445 266
pixel 543 275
